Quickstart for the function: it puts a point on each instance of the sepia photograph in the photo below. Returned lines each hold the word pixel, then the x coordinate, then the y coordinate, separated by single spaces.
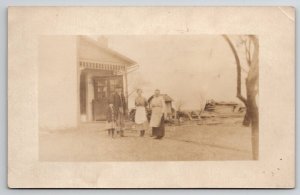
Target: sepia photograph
pixel 151 97
pixel 148 98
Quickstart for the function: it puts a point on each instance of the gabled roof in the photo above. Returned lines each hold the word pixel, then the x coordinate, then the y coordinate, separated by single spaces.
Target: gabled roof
pixel 116 54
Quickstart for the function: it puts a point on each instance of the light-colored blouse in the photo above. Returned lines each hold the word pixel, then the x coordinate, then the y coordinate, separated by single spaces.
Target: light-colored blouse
pixel 141 101
pixel 158 102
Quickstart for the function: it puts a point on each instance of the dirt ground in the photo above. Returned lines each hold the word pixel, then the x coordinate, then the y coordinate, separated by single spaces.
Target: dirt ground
pixel 222 139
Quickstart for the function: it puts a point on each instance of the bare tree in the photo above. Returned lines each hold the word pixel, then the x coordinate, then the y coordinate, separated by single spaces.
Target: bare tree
pixel 252 115
pixel 252 91
pixel 178 105
pixel 239 77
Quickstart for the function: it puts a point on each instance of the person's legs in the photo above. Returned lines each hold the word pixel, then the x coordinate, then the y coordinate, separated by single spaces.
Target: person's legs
pixel 117 123
pixel 109 131
pixel 121 131
pixel 120 124
pixel 154 132
pixel 145 127
pixel 142 133
pixel 112 132
pixel 140 128
pixel 161 129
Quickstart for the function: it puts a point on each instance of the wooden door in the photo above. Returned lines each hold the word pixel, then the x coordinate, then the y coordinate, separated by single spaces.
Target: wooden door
pixel 101 98
pixel 104 87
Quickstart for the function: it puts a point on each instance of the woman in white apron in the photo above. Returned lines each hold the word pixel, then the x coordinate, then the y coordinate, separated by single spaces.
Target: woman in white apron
pixel 140 113
pixel 158 108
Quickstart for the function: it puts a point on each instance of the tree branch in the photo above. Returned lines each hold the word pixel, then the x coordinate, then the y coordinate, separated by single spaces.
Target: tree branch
pixel 238 69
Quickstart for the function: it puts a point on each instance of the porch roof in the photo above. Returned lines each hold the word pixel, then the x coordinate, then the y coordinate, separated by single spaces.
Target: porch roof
pixel 116 55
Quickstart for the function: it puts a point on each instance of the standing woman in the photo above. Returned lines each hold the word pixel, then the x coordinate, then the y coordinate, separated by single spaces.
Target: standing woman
pixel 158 107
pixel 140 117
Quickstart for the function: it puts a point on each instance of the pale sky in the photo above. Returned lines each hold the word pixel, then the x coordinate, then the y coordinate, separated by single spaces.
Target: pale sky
pixel 190 68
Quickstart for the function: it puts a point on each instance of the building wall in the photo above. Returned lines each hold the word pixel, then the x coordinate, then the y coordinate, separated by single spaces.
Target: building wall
pixel 58 82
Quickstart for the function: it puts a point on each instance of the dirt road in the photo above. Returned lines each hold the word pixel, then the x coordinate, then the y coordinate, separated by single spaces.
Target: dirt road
pixel 222 141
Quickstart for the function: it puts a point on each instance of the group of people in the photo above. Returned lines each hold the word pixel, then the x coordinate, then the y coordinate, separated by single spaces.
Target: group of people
pixel 117 110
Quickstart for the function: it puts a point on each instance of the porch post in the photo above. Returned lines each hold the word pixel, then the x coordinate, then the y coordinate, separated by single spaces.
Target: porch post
pixel 89 97
pixel 126 86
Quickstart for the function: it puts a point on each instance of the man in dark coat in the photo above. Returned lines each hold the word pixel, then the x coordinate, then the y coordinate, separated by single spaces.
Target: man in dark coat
pixel 119 104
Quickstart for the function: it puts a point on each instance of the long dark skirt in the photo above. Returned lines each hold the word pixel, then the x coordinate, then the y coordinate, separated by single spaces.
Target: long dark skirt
pixel 159 131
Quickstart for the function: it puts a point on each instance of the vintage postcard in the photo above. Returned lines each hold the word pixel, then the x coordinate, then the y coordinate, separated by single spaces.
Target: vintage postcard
pixel 151 97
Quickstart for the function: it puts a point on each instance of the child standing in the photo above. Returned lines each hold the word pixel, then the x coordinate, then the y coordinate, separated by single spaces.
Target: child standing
pixel 110 120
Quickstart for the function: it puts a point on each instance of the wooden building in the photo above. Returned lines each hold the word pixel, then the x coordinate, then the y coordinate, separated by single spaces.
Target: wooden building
pixel 77 75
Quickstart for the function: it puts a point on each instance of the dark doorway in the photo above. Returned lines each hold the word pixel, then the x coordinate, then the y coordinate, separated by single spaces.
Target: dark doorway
pixel 104 87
